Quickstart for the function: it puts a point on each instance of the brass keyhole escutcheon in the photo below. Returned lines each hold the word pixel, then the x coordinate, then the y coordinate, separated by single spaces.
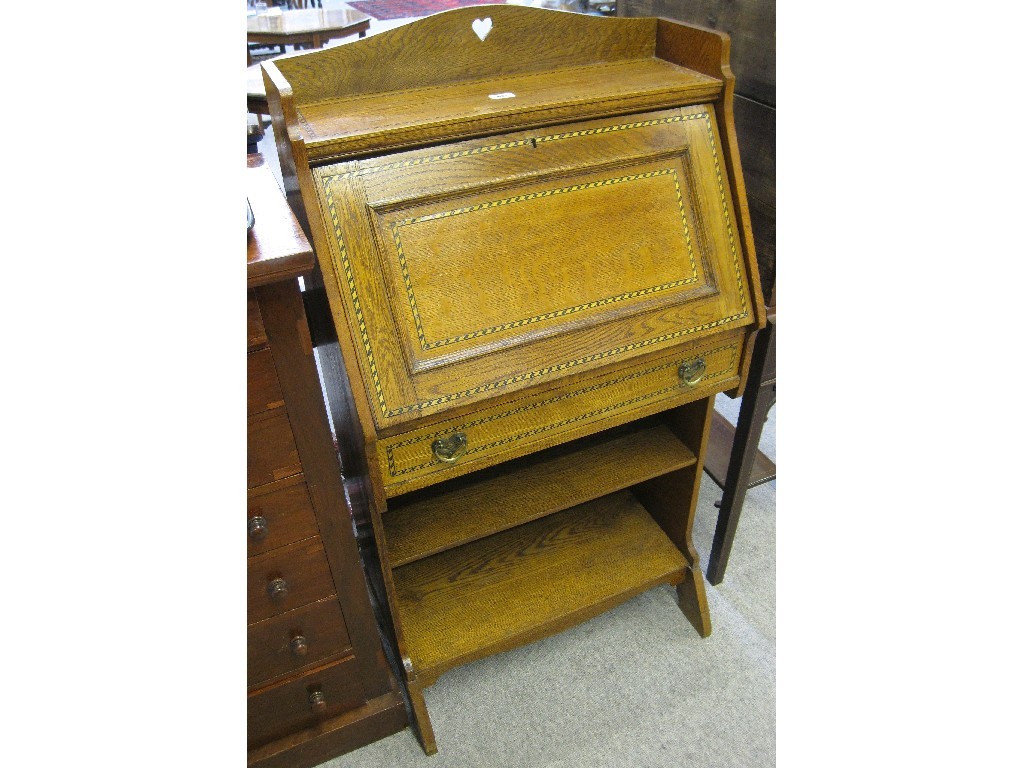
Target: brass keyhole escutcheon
pixel 692 371
pixel 450 449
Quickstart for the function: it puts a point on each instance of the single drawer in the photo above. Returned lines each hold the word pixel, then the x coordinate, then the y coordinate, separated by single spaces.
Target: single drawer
pixel 257 334
pixel 417 458
pixel 287 578
pixel 279 514
pixel 272 452
pixel 264 389
pixel 302 703
pixel 297 639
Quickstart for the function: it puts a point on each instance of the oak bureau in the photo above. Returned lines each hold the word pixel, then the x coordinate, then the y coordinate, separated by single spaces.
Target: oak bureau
pixel 319 683
pixel 534 243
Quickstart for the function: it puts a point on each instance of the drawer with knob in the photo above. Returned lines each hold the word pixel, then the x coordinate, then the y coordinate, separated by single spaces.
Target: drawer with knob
pixel 450 447
pixel 264 389
pixel 300 638
pixel 288 577
pixel 278 514
pixel 303 702
pixel 272 454
pixel 257 334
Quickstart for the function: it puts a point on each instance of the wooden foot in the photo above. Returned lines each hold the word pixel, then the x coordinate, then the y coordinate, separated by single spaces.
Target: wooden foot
pixel 421 719
pixel 693 601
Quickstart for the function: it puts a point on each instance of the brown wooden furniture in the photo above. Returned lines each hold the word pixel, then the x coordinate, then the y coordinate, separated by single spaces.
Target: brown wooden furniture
pixel 532 233
pixel 734 460
pixel 747 466
pixel 307 27
pixel 319 684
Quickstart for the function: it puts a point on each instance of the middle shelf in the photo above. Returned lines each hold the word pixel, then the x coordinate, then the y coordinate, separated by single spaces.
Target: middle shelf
pixel 485 503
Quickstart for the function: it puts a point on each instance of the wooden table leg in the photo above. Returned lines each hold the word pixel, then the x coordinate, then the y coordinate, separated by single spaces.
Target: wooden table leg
pixel 758 397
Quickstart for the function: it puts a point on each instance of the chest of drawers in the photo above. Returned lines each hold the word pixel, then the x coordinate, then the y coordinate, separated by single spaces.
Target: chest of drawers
pixel 533 238
pixel 318 682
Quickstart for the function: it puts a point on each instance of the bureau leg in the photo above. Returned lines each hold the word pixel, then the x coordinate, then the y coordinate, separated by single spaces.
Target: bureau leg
pixel 693 601
pixel 424 729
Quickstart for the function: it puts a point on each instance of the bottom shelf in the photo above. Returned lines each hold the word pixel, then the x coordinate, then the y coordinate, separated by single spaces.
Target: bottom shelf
pixel 531 581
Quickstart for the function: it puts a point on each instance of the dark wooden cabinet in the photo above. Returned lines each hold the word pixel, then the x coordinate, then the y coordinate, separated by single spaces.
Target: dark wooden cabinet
pixel 534 241
pixel 319 684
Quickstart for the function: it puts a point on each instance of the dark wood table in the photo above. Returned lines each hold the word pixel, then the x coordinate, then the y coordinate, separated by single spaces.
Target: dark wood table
pixel 306 27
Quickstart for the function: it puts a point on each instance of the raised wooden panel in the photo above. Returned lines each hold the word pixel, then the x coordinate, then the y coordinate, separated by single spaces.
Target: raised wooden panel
pixel 560 250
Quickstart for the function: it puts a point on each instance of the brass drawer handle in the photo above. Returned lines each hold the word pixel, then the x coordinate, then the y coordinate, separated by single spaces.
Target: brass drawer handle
pixel 450 449
pixel 692 371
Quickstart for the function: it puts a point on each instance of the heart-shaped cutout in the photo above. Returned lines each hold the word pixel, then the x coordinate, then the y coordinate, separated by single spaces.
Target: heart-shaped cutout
pixel 482 27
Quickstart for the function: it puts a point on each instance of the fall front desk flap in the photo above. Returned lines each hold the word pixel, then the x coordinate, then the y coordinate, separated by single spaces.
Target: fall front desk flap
pixel 492 265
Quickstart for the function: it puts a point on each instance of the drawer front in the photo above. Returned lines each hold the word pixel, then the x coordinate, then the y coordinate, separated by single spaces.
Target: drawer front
pixel 272 453
pixel 495 265
pixel 279 514
pixel 517 427
pixel 287 578
pixel 264 390
pixel 283 709
pixel 257 334
pixel 297 639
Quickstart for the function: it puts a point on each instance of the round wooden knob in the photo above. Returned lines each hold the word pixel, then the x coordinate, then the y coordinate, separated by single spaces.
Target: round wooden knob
pixel 277 589
pixel 257 528
pixel 318 702
pixel 299 646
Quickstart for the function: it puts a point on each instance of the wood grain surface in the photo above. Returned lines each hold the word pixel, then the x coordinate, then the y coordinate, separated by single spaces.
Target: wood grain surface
pixel 271 453
pixel 286 511
pixel 521 238
pixel 540 485
pixel 271 655
pixel 562 250
pixel 544 576
pixel 749 23
pixel 264 390
pixel 443 49
pixel 392 120
pixel 303 567
pixel 285 708
pixel 277 247
pixel 257 335
pixel 582 406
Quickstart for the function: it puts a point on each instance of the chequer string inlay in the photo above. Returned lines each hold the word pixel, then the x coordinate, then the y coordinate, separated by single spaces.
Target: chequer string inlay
pixel 619 404
pixel 345 268
pixel 396 235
